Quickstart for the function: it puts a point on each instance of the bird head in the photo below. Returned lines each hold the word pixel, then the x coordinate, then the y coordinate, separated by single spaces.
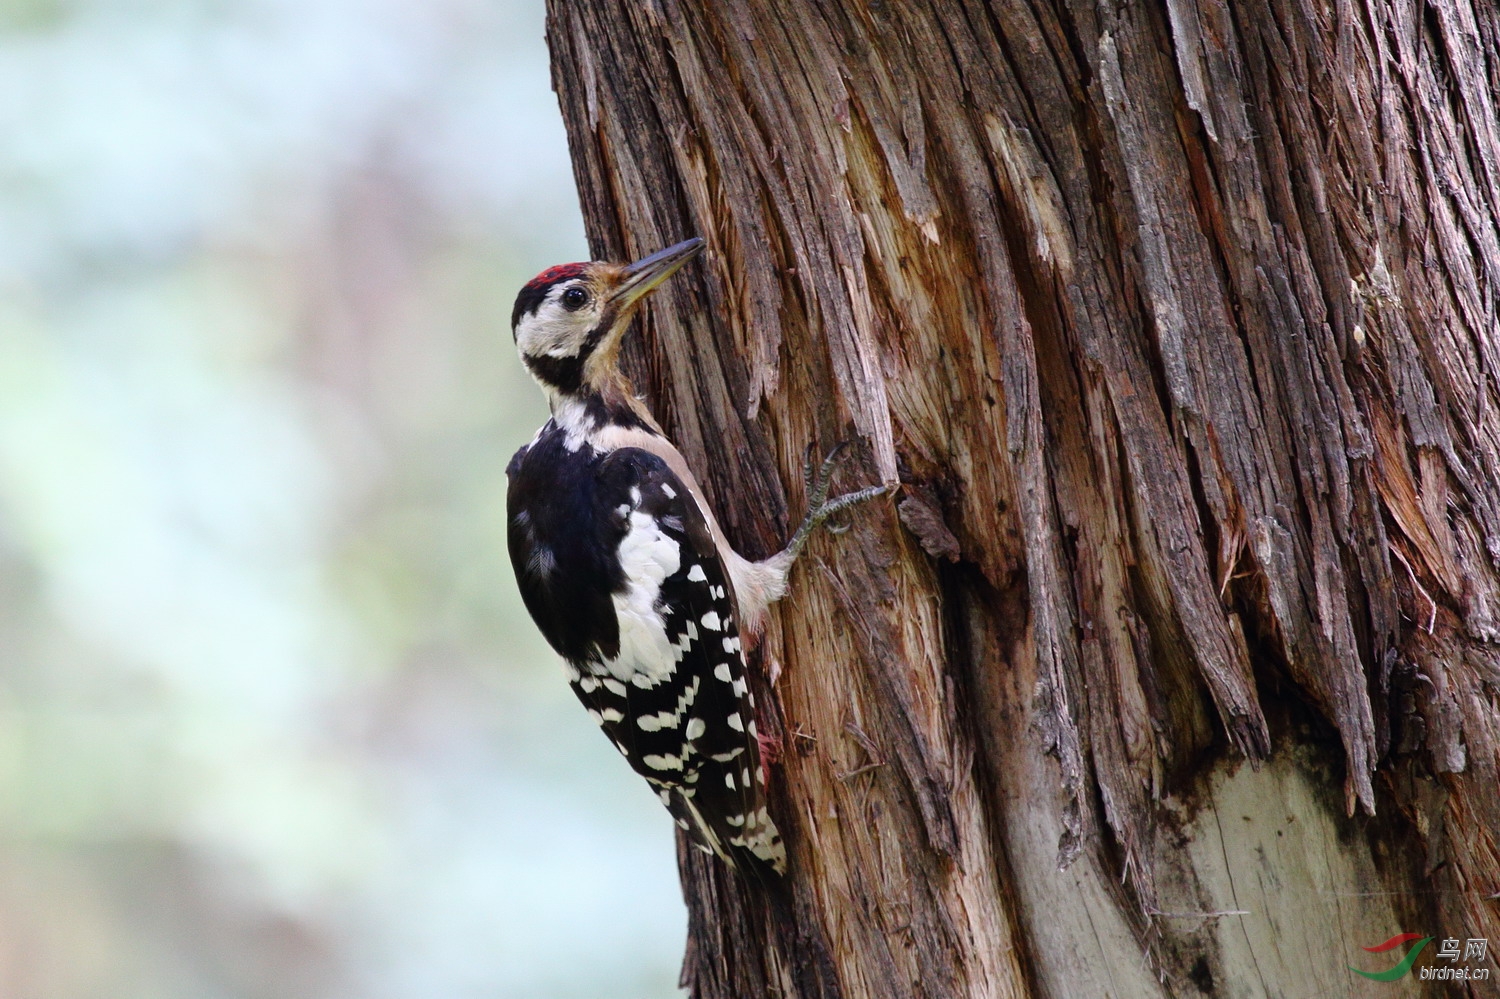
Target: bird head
pixel 568 320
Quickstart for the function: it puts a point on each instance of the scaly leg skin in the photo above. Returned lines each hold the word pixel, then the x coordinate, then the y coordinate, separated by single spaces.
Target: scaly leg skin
pixel 820 507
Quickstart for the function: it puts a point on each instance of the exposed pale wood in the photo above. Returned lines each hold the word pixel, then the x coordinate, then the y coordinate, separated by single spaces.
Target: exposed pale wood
pixel 1179 323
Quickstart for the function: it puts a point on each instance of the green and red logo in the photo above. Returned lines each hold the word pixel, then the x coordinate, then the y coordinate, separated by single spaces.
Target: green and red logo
pixel 1402 969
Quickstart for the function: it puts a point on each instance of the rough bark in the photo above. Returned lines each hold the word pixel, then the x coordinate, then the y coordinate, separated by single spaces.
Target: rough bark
pixel 1175 669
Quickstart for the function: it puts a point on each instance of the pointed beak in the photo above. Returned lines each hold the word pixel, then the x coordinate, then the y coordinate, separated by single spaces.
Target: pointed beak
pixel 643 277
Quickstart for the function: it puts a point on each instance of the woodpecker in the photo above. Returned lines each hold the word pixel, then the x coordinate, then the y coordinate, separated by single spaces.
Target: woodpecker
pixel 627 573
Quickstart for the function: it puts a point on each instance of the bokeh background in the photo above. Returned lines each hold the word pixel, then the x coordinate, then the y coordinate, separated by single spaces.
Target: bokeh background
pixel 273 722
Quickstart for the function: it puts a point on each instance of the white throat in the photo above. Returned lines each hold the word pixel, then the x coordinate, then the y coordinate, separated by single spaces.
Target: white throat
pixel 572 417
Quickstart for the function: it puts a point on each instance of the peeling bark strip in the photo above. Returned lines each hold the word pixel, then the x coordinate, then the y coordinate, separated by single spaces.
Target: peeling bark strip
pixel 1178 668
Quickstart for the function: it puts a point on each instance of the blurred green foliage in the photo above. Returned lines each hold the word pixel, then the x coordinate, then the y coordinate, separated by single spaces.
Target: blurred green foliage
pixel 272 721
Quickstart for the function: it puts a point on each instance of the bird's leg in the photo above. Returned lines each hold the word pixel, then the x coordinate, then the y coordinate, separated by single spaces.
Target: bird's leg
pixel 759 584
pixel 820 507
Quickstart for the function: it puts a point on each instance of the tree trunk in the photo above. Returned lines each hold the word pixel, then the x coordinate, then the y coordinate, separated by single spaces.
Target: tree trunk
pixel 1175 667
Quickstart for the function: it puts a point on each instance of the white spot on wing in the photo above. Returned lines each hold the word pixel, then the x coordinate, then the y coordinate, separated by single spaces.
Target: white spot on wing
pixel 656 722
pixel 697 575
pixel 648 556
pixel 542 561
pixel 670 719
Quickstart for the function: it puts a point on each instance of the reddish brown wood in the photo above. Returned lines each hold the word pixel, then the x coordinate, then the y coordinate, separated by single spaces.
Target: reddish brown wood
pixel 1175 668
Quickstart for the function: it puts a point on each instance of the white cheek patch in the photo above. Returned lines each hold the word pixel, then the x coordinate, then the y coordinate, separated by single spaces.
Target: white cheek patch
pixel 552 331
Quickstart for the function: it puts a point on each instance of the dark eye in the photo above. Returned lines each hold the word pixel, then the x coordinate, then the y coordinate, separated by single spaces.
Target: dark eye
pixel 574 299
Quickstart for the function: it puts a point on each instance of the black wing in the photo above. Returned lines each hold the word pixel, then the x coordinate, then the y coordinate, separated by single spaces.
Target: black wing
pixel 666 678
pixel 701 710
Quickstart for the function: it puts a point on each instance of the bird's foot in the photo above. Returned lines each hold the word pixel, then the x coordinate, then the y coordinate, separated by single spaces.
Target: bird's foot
pixel 820 508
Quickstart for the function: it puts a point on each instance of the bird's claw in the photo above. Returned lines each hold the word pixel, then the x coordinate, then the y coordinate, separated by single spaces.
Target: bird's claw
pixel 820 507
pixel 818 480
